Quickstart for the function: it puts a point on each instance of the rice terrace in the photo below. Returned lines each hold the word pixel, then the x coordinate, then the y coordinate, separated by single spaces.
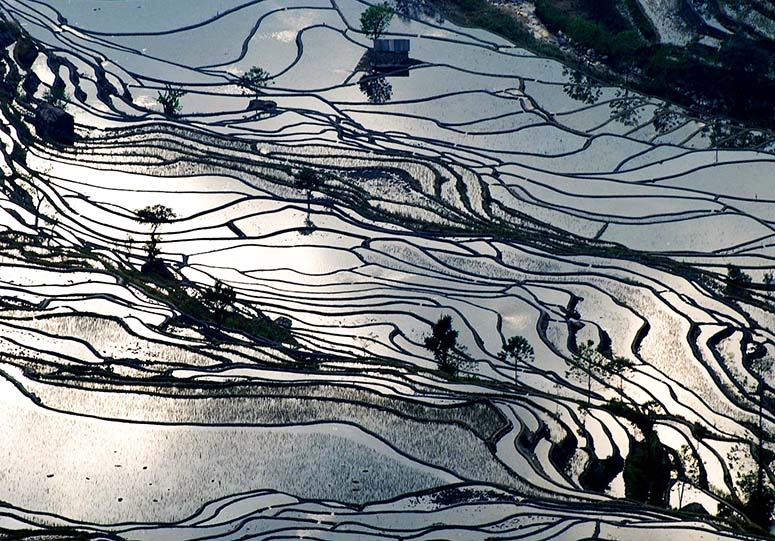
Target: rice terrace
pixel 418 270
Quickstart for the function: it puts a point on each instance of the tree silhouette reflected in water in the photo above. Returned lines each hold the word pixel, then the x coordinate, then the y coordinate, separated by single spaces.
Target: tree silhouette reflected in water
pixel 666 119
pixel 626 107
pixel 581 87
pixel 376 88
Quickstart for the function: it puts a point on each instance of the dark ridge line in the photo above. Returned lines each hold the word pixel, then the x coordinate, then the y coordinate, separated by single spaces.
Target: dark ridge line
pixel 245 42
pixel 328 505
pixel 665 218
pixel 195 347
pixel 654 148
pixel 220 15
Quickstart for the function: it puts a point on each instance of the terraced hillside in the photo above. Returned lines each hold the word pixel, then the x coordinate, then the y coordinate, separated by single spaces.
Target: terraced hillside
pixel 252 364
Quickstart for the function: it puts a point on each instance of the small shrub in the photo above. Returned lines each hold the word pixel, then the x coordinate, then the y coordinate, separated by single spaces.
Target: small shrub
pixel 170 100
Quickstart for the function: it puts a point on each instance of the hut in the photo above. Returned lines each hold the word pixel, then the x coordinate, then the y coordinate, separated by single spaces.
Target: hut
pixel 390 53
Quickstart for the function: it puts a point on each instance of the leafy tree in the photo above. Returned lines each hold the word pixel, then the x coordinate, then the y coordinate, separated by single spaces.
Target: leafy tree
pixel 376 19
pixel 219 299
pixel 585 358
pixel 154 216
pixel 617 366
pixel 255 79
pixel 170 100
pixel 308 179
pixel 415 9
pixel 517 349
pixel 441 342
pixel 759 494
pixel 625 45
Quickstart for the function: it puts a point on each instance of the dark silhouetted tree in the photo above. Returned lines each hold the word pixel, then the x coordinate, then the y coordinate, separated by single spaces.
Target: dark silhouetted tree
pixel 688 470
pixel 255 79
pixel 442 342
pixel 518 350
pixel 647 471
pixel 589 360
pixel 626 108
pixel 57 96
pixel 308 179
pixel 769 280
pixel 154 216
pixel 585 359
pixel 665 119
pixel 758 497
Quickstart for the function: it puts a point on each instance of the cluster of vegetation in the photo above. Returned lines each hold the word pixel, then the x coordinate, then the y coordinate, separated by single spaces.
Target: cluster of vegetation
pixel 705 80
pixel 596 25
pixel 650 465
pixel 738 285
pixel 758 498
pixel 752 504
pixel 737 282
pixel 57 96
pixel 215 305
pixel 485 14
pixel 443 343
